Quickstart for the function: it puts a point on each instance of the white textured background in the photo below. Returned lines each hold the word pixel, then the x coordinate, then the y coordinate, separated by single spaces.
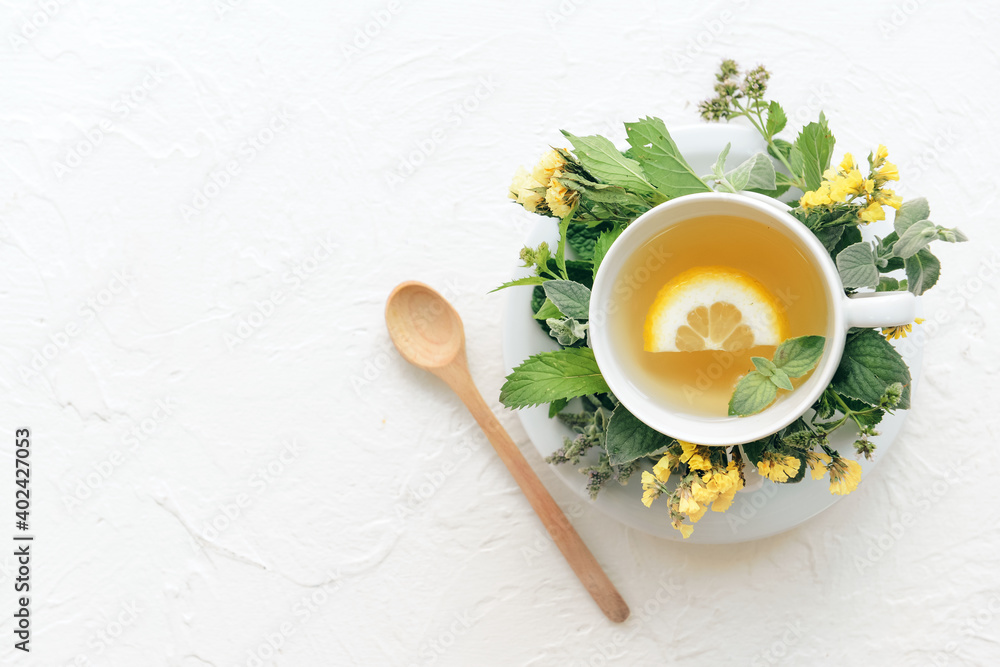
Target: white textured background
pixel 228 454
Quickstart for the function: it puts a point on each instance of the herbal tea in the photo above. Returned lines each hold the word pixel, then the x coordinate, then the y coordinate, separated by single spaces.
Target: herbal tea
pixel 697 301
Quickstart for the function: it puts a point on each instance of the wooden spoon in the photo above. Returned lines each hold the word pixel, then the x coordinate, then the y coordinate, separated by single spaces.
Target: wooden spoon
pixel 428 333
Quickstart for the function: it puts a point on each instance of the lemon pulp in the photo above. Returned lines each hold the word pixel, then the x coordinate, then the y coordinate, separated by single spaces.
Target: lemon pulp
pixel 713 308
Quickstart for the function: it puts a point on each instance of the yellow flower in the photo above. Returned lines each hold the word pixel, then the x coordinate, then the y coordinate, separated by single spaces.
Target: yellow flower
pixel 818 461
pixel 887 172
pixel 522 190
pixel 688 505
pixel 869 186
pixel 892 333
pixel 546 168
pixel 779 469
pixel 663 467
pixel 881 153
pixel 702 494
pixel 851 183
pixel 725 500
pixel 685 528
pixel 847 164
pixel 888 198
pixel 872 212
pixel 695 459
pixel 559 198
pixel 817 197
pixel 651 489
pixel 844 476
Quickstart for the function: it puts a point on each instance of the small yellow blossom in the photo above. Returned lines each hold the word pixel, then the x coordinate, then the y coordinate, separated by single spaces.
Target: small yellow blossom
pixel 818 197
pixel 690 455
pixel 881 153
pixel 851 183
pixel 844 476
pixel 688 505
pixel 702 494
pixel 651 489
pixel 696 517
pixel 685 528
pixel 559 198
pixel 666 465
pixel 872 212
pixel 892 333
pixel 847 164
pixel 887 172
pixel 779 469
pixel 888 198
pixel 818 461
pixel 522 190
pixel 546 168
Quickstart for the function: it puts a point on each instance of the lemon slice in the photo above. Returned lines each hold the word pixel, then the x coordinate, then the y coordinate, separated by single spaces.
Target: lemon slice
pixel 713 308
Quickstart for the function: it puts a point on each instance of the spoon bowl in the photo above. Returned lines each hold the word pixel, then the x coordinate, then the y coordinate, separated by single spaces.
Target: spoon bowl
pixel 423 326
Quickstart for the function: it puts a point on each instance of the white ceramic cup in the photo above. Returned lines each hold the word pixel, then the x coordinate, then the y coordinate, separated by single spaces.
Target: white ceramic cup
pixel 862 310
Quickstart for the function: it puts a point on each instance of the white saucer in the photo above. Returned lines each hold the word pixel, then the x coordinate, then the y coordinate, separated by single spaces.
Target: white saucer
pixel 769 510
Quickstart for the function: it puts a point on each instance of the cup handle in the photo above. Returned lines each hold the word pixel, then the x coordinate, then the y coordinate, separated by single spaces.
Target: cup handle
pixel 880 309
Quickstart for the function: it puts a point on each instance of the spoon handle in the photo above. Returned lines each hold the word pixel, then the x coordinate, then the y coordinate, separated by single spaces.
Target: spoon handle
pixel 563 534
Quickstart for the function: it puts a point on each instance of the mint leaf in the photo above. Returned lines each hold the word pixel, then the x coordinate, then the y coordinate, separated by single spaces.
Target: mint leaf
pixel 602 246
pixel 922 271
pixel 661 161
pixel 763 366
pixel 600 157
pixel 529 280
pixel 815 143
pixel 780 379
pixel 752 394
pixel 628 438
pixel 776 119
pixel 798 356
pixel 916 237
pixel 756 172
pixel 856 264
pixel 550 376
pixel 571 298
pixel 952 235
pixel 547 310
pixel 910 212
pixel 870 364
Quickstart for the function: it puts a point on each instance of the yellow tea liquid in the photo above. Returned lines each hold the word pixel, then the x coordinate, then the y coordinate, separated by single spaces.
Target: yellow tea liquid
pixel 702 382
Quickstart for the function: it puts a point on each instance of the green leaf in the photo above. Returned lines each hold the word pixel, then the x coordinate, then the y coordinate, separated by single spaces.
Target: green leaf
pixel 550 376
pixel 719 168
pixel 887 284
pixel 570 297
pixel 776 119
pixel 752 394
pixel 567 331
pixel 870 364
pixel 952 235
pixel 780 379
pixel 661 161
pixel 628 438
pixel 851 236
pixel 815 143
pixel 547 310
pixel 528 280
pixel 856 264
pixel 798 356
pixel 602 246
pixel 756 172
pixel 764 366
pixel 916 237
pixel 600 157
pixel 922 271
pixel 555 407
pixel 830 236
pixel 561 248
pixel 581 239
pixel 910 212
